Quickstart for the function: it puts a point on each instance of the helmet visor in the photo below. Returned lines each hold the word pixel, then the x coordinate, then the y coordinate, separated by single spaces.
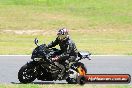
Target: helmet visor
pixel 62 37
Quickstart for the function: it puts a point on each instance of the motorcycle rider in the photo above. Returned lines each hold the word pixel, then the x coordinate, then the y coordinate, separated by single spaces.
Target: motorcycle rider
pixel 68 51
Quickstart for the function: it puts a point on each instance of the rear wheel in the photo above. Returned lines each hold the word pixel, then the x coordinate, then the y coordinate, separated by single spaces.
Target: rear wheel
pixel 74 75
pixel 71 81
pixel 27 74
pixel 81 80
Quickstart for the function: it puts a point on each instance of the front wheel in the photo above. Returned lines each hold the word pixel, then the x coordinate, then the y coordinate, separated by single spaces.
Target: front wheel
pixel 27 74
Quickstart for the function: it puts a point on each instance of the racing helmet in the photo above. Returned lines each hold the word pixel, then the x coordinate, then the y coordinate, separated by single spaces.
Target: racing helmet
pixel 62 34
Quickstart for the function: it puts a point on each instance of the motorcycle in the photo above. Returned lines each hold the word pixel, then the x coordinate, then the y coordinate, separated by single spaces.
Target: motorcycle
pixel 42 67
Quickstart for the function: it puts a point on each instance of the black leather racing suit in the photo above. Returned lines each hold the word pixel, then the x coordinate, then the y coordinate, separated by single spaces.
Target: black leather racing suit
pixel 68 49
pixel 68 52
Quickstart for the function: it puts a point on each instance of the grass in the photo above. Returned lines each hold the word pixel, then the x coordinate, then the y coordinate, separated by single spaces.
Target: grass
pixel 62 85
pixel 98 26
pixel 93 42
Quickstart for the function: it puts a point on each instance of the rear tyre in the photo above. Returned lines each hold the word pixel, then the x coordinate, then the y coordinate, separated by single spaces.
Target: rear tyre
pixel 81 80
pixel 27 74
pixel 71 81
pixel 76 78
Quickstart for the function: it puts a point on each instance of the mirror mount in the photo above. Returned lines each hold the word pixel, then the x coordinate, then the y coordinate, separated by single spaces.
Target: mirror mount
pixel 36 41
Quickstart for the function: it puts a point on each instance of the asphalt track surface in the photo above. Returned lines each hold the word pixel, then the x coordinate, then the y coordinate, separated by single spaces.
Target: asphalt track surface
pixel 10 65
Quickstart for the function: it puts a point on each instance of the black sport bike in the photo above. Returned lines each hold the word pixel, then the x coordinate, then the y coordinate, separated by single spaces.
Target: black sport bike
pixel 43 68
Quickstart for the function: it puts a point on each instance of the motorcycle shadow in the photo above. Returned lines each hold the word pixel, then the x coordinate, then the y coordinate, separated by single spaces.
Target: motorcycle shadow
pixel 41 83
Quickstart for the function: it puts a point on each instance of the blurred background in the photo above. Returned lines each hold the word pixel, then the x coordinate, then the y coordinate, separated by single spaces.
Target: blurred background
pixel 99 26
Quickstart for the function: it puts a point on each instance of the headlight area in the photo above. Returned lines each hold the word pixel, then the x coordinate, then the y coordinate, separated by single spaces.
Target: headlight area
pixel 37 59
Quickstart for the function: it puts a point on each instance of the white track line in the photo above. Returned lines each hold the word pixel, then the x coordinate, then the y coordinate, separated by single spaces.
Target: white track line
pixel 91 55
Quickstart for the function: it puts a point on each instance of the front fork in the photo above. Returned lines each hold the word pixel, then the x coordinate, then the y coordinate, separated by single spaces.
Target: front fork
pixel 33 65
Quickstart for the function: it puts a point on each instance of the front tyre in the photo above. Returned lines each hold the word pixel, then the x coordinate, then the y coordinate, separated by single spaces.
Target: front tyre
pixel 27 74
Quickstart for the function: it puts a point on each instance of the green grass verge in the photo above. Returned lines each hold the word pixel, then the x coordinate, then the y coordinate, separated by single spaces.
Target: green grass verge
pixel 94 42
pixel 61 86
pixel 98 26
